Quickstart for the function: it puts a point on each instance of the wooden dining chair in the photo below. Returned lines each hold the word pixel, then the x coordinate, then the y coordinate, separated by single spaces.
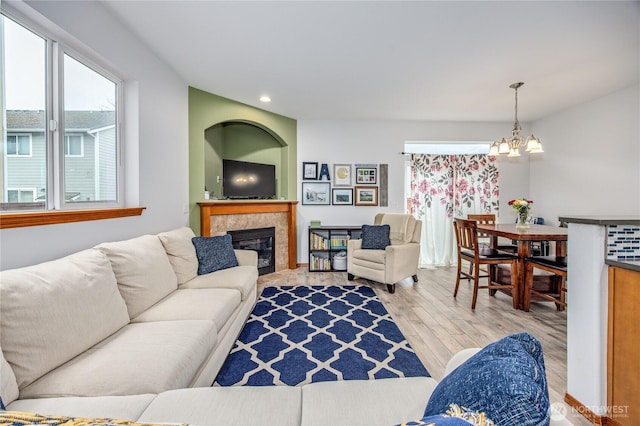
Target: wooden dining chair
pixel 554 264
pixel 483 219
pixel 484 240
pixel 468 249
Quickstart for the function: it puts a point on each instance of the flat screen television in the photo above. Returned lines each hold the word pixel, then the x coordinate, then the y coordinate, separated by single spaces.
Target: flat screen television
pixel 242 179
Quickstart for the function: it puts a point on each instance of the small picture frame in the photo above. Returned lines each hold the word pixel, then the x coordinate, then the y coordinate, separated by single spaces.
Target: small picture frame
pixel 342 196
pixel 316 193
pixel 342 175
pixel 366 175
pixel 366 195
pixel 309 171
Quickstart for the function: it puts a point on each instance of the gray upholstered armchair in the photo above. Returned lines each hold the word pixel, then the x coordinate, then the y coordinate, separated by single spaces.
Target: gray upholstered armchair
pixel 397 261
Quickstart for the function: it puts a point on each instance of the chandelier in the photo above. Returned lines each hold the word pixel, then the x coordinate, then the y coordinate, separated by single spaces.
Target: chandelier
pixel 511 145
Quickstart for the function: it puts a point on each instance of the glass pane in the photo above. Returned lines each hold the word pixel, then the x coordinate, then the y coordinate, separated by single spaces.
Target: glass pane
pixel 24 147
pixel 12 145
pixel 73 145
pixel 90 114
pixel 24 164
pixel 26 196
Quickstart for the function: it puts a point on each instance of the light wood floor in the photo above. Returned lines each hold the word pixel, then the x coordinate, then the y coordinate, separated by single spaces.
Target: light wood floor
pixel 437 325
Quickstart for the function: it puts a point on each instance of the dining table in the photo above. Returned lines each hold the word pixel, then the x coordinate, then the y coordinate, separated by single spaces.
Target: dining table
pixel 523 238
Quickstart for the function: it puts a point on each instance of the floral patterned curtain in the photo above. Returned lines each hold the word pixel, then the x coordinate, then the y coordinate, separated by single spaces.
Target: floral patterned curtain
pixel 448 186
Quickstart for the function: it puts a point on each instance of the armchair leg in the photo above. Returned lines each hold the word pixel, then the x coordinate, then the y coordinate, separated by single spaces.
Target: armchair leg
pixel 391 288
pixel 415 278
pixel 350 277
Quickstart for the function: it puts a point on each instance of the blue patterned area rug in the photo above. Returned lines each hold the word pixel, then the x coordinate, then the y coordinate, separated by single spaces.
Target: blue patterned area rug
pixel 303 334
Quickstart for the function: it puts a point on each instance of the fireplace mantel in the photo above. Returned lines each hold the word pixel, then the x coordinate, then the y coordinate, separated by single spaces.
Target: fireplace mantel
pixel 210 209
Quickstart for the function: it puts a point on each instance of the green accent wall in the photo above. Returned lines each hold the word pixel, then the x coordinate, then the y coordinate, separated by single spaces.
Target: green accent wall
pixel 222 128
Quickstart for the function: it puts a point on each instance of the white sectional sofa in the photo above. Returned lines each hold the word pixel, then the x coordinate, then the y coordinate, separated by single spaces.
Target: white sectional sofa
pixel 129 330
pixel 122 318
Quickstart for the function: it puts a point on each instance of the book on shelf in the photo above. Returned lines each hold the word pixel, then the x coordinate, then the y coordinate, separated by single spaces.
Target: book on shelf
pixel 319 263
pixel 340 242
pixel 318 242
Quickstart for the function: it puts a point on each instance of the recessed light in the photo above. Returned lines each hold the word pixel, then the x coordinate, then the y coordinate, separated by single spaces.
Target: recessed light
pixel 265 99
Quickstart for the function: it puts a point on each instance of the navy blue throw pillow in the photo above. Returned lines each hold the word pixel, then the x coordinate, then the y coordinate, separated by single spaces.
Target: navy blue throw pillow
pixel 438 420
pixel 375 237
pixel 214 253
pixel 506 380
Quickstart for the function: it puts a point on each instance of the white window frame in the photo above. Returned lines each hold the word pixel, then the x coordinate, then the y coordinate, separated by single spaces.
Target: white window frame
pixel 20 191
pixel 17 135
pixel 55 140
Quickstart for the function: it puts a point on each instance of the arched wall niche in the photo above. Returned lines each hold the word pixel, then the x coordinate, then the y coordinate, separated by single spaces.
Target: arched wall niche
pixel 241 140
pixel 207 113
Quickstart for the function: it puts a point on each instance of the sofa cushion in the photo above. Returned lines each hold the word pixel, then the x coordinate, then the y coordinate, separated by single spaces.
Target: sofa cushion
pixel 365 402
pixel 506 380
pixel 242 278
pixel 247 257
pixel 375 237
pixel 238 405
pixel 214 253
pixel 148 357
pixel 217 305
pixel 181 252
pixel 120 407
pixel 142 270
pixel 54 311
pixel 8 386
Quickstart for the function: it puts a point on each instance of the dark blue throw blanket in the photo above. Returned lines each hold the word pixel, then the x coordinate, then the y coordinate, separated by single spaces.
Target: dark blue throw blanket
pixel 303 334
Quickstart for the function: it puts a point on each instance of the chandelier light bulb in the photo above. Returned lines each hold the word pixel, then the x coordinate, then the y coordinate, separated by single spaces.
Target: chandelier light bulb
pixel 504 147
pixel 494 150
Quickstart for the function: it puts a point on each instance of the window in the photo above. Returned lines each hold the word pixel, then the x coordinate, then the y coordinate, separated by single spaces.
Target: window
pixel 19 145
pixel 61 133
pixel 73 145
pixel 21 195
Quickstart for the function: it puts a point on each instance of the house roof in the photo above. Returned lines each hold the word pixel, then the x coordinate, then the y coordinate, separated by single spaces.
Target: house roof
pixel 76 120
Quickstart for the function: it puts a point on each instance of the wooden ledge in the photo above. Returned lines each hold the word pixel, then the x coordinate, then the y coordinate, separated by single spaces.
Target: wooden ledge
pixel 52 217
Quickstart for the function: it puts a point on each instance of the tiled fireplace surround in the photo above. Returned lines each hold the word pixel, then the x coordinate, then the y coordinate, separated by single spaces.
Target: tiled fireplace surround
pixel 222 216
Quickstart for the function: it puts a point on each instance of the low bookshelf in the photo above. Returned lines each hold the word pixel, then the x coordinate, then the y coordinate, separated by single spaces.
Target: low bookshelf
pixel 328 247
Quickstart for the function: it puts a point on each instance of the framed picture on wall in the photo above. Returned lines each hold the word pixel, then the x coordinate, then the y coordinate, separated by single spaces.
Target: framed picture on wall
pixel 366 175
pixel 342 196
pixel 366 195
pixel 316 193
pixel 342 175
pixel 309 171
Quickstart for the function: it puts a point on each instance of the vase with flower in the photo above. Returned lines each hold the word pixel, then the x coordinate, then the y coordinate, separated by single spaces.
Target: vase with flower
pixel 522 207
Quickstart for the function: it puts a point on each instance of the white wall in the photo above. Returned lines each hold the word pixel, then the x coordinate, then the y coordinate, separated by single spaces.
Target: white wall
pixel 591 163
pixel 156 150
pixel 381 142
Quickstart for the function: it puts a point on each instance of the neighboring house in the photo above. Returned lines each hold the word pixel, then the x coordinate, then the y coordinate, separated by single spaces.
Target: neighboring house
pixel 89 157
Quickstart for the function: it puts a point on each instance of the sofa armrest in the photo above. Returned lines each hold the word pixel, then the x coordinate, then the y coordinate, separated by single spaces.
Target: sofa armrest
pixel 247 257
pixel 401 261
pixel 459 358
pixel 354 245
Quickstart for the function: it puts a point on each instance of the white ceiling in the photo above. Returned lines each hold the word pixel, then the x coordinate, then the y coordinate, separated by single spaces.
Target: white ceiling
pixel 401 60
